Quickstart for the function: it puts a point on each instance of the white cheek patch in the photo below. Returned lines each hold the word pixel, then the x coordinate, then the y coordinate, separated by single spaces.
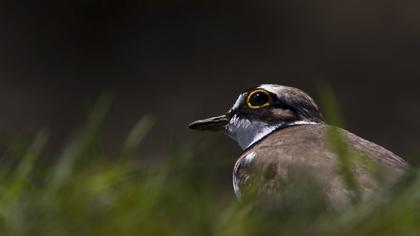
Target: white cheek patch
pixel 246 132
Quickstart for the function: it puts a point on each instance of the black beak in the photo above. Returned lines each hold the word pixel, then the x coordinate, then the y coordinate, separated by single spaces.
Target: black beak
pixel 213 123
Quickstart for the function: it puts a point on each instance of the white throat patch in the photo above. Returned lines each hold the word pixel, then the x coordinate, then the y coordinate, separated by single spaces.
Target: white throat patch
pixel 246 132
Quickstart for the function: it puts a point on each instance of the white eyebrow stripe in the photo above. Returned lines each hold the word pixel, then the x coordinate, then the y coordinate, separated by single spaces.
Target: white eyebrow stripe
pixel 276 89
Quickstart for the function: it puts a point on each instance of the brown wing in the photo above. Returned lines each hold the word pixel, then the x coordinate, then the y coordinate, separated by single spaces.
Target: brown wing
pixel 303 154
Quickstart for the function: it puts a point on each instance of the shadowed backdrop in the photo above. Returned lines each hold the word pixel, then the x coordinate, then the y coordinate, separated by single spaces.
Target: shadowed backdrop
pixel 184 60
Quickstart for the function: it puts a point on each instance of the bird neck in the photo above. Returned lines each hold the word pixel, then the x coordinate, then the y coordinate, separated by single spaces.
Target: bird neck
pixel 248 132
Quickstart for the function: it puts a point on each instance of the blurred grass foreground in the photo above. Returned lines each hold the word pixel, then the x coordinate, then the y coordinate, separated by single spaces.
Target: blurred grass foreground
pixel 86 193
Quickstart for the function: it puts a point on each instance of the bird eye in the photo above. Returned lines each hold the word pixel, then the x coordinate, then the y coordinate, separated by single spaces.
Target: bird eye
pixel 258 99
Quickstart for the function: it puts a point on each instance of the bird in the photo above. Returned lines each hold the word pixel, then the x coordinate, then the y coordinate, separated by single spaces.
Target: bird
pixel 281 130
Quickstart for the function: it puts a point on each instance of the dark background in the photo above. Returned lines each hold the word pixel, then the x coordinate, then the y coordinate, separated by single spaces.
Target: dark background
pixel 182 60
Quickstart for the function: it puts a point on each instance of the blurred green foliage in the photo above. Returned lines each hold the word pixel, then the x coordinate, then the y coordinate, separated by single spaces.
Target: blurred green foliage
pixel 87 193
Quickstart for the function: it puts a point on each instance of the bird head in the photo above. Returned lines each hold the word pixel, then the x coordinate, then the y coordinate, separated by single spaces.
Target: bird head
pixel 261 110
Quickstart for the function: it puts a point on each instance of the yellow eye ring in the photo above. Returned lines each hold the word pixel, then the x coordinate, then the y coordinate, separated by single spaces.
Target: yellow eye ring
pixel 258 99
